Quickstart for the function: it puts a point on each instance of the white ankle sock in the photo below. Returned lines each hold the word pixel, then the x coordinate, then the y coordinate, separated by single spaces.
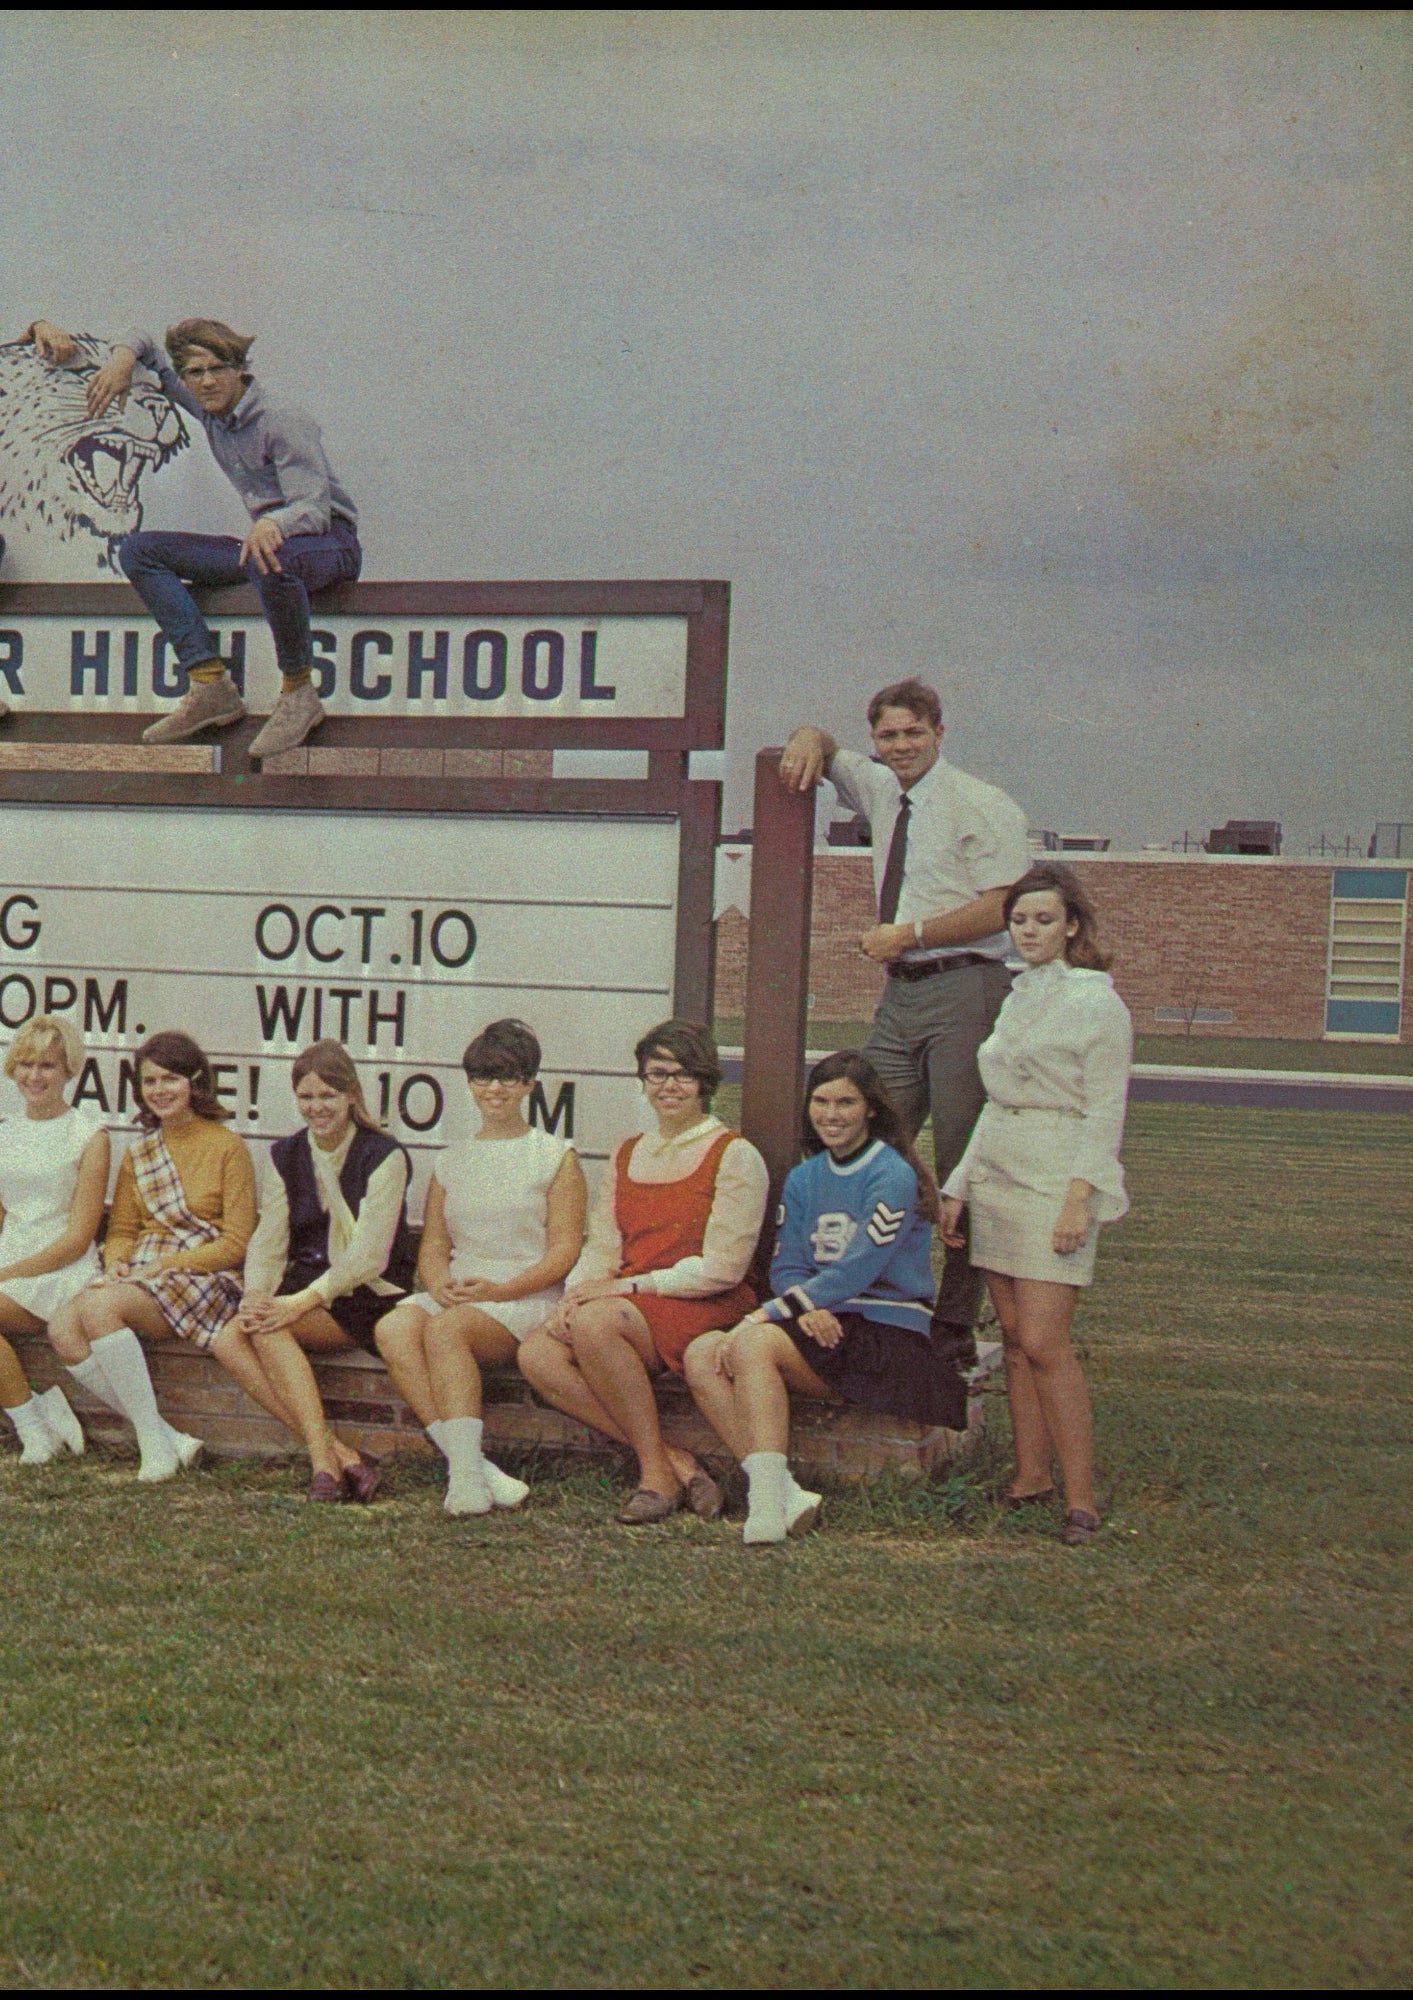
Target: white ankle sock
pixel 124 1366
pixel 801 1507
pixel 505 1489
pixel 38 1441
pixel 61 1419
pixel 466 1488
pixel 769 1477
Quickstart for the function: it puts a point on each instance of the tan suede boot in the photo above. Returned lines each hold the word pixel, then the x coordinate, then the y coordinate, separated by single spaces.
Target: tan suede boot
pixel 291 720
pixel 210 705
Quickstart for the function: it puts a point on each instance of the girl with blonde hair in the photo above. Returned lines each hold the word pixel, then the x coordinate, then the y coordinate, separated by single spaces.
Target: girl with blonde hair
pixel 53 1179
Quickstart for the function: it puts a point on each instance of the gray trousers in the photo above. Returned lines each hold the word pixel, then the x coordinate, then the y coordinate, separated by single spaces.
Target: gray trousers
pixel 923 1044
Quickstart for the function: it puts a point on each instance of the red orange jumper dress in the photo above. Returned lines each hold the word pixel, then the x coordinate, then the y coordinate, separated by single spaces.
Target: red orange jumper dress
pixel 659 1223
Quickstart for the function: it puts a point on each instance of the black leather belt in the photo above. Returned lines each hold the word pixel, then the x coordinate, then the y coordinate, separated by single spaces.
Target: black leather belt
pixel 923 968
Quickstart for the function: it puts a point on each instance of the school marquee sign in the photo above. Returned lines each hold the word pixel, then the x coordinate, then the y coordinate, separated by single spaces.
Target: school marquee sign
pixel 409 885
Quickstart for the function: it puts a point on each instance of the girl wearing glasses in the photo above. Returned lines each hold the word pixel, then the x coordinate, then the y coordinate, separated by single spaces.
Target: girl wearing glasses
pixel 670 1241
pixel 504 1223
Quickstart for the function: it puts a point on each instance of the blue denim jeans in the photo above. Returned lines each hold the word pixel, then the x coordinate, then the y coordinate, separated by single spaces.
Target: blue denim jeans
pixel 159 567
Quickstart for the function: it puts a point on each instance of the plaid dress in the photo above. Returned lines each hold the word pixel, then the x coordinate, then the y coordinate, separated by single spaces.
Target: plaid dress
pixel 196 1304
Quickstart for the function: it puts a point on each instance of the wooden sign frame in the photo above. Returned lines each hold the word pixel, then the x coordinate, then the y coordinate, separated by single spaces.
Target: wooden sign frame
pixel 398 764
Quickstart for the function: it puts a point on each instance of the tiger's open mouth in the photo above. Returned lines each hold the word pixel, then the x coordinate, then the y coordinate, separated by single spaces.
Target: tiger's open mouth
pixel 109 466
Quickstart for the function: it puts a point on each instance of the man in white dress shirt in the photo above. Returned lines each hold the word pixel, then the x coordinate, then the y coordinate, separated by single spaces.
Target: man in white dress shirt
pixel 946 847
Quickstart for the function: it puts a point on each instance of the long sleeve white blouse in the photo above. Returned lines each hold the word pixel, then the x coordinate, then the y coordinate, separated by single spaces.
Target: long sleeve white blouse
pixel 359 1245
pixel 1063 1042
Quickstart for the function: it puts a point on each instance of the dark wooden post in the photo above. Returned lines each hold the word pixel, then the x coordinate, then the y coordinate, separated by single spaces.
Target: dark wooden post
pixel 777 974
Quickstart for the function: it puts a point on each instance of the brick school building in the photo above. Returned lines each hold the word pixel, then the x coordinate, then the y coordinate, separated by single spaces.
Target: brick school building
pixel 1204 944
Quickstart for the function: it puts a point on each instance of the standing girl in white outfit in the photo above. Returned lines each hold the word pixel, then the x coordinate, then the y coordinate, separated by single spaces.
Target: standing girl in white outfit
pixel 504 1224
pixel 53 1178
pixel 1041 1172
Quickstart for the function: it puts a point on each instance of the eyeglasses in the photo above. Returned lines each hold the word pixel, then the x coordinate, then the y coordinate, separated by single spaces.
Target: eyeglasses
pixel 209 374
pixel 657 1076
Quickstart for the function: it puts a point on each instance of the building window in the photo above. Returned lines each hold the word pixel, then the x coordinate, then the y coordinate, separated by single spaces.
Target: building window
pixel 1368 928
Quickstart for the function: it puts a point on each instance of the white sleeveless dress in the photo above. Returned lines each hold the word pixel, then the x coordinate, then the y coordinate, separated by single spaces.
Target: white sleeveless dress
pixel 39 1162
pixel 497 1212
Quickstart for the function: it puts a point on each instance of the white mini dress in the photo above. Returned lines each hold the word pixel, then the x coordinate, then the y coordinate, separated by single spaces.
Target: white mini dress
pixel 497 1212
pixel 39 1163
pixel 1056 1070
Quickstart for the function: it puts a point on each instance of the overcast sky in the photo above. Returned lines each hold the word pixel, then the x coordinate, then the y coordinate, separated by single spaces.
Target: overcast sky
pixel 1060 358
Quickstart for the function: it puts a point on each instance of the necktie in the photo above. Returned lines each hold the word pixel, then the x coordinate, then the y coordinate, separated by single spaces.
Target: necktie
pixel 897 859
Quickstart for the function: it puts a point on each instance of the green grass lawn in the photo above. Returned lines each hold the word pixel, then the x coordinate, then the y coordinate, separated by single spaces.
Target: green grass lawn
pixel 249 1742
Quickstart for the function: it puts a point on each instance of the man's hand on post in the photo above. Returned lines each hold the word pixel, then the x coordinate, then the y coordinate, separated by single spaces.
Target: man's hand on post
pixel 806 758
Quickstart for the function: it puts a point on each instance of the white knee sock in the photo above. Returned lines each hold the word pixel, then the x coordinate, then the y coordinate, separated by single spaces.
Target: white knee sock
pixel 769 1477
pixel 61 1419
pixel 89 1375
pixel 505 1491
pixel 124 1367
pixel 466 1488
pixel 38 1441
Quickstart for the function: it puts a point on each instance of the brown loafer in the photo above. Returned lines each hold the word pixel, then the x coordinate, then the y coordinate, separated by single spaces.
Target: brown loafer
pixel 705 1497
pixel 647 1506
pixel 363 1479
pixel 1011 1501
pixel 325 1488
pixel 1079 1527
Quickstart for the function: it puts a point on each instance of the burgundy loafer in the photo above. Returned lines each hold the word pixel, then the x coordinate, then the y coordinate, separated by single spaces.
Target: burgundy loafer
pixel 1080 1527
pixel 705 1497
pixel 647 1506
pixel 363 1479
pixel 325 1488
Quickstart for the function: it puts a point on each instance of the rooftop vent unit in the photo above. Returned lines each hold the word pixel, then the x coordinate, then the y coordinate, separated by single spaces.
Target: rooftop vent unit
pixel 1245 836
pixel 853 832
pixel 1392 841
pixel 1050 842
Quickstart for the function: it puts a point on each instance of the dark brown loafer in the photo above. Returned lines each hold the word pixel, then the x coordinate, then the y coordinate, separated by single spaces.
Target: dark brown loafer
pixel 705 1497
pixel 646 1507
pixel 363 1479
pixel 325 1488
pixel 1079 1528
pixel 1041 1499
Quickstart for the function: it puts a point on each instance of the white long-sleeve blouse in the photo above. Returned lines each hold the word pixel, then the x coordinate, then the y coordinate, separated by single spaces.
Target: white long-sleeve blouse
pixel 359 1245
pixel 1063 1042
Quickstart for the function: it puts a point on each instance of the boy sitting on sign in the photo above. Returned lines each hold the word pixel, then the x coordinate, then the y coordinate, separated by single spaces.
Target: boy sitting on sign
pixel 303 534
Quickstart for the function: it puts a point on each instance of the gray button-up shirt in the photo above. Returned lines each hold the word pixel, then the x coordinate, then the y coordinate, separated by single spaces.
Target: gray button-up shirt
pixel 273 456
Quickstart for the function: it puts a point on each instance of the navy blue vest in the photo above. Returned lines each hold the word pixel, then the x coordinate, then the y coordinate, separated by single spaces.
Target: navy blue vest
pixel 309 1225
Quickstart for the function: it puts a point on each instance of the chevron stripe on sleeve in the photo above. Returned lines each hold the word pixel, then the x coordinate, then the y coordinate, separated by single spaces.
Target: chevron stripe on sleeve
pixel 884 1224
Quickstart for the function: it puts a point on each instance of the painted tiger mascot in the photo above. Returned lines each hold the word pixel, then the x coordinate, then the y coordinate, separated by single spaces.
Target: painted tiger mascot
pixel 70 484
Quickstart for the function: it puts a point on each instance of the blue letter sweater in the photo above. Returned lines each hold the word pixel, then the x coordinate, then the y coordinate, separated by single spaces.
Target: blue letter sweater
pixel 851 1239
